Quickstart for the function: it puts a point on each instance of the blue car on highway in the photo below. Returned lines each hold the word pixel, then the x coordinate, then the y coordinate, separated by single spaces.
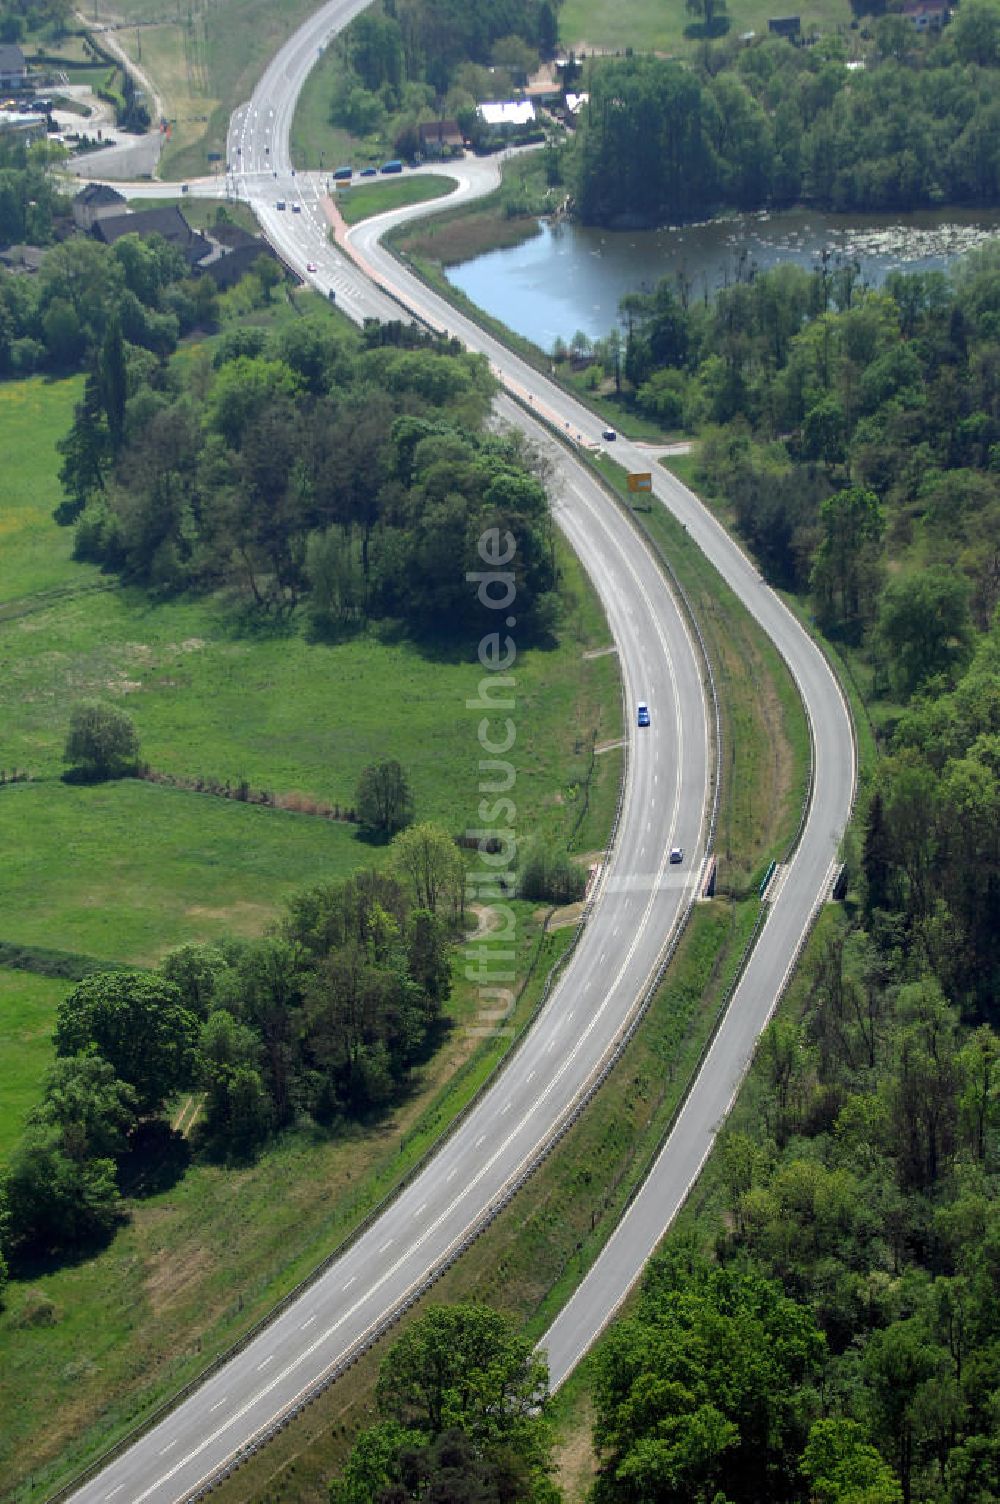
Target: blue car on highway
pixel 643 713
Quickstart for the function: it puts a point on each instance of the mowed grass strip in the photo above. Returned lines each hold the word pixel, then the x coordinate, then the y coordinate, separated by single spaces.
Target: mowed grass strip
pixel 27 1013
pixel 361 201
pixel 766 752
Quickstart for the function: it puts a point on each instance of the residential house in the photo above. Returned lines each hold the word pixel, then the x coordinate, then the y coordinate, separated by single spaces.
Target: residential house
pixel 438 137
pixel 927 15
pixel 97 201
pixel 168 222
pixel 228 266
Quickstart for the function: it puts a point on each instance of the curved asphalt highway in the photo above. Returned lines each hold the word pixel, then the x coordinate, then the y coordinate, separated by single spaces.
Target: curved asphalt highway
pixel 637 904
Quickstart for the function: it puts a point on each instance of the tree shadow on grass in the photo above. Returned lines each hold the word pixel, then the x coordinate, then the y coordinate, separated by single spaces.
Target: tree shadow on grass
pixel 707 31
pixel 30 1264
pixel 157 1159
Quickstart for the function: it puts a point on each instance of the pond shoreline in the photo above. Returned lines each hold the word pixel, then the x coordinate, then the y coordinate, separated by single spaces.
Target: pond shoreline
pixel 548 277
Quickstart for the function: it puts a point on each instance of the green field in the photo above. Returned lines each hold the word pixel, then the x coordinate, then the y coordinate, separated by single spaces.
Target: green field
pixel 125 871
pixel 34 555
pixel 588 26
pixel 27 1012
pixel 287 714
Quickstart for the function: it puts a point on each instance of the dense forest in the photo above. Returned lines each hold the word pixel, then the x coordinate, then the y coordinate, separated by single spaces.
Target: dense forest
pixel 853 435
pixel 317 1024
pixel 352 472
pixel 915 123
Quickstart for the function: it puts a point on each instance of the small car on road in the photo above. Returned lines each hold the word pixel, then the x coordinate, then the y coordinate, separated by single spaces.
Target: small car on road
pixel 676 854
pixel 311 266
pixel 608 435
pixel 643 713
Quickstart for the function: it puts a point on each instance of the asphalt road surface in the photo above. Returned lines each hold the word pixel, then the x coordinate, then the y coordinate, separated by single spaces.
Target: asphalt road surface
pixel 639 898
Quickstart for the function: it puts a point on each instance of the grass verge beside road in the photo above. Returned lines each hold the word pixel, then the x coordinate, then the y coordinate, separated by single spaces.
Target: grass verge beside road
pixel 362 200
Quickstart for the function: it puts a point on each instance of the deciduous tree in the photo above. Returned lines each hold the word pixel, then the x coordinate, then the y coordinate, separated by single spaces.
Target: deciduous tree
pixel 383 799
pixel 136 1022
pixel 102 740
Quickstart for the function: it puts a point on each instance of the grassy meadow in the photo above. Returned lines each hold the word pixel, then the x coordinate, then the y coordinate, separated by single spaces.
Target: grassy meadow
pixel 126 871
pixel 27 1008
pixel 587 26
